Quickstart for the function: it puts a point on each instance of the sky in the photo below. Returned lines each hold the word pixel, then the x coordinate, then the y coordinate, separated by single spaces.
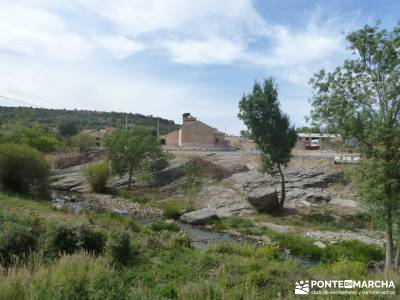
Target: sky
pixel 168 57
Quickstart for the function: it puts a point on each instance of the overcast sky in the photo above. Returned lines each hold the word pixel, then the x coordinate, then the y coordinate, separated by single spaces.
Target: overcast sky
pixel 166 57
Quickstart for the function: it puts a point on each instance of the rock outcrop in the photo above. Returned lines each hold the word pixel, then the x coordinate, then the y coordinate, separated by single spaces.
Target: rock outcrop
pixel 199 217
pixel 264 199
pixel 173 171
pixel 225 200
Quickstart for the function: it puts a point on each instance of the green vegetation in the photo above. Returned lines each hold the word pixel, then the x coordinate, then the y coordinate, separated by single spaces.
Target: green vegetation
pixel 23 169
pixel 270 128
pixel 35 135
pixel 132 262
pixel 97 174
pixel 159 225
pixel 128 148
pixel 361 99
pixel 119 248
pixel 83 141
pixel 69 122
pixel 303 246
pixel 67 128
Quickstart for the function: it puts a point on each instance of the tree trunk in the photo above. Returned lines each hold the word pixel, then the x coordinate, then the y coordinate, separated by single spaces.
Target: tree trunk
pixel 130 172
pixel 389 239
pixel 397 257
pixel 283 189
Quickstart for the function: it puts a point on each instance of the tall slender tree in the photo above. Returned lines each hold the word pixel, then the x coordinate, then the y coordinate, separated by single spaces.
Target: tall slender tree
pixel 361 99
pixel 270 128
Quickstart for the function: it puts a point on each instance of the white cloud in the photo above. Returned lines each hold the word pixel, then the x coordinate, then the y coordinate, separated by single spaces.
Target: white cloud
pixel 119 46
pixel 211 51
pixel 26 30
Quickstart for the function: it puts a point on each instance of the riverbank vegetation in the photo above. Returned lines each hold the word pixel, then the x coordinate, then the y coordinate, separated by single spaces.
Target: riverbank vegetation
pixel 49 254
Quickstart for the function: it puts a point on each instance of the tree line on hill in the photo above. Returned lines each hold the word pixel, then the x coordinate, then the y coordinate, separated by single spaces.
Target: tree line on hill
pixel 83 119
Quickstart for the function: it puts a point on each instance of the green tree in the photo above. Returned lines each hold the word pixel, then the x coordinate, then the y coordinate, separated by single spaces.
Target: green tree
pixel 23 169
pixel 128 148
pixel 67 128
pixel 83 141
pixel 269 127
pixel 35 135
pixel 361 99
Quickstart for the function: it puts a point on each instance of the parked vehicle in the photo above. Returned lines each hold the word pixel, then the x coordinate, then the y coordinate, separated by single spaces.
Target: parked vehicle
pixel 313 145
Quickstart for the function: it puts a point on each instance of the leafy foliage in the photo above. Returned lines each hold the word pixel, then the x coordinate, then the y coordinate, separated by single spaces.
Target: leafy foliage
pixel 128 148
pixel 269 127
pixel 35 135
pixel 361 99
pixel 119 248
pixel 18 239
pixel 97 174
pixel 60 239
pixel 83 141
pixel 23 169
pixel 67 128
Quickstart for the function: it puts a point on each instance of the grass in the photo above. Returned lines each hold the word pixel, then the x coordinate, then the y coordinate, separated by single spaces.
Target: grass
pixel 302 246
pixel 319 218
pixel 167 267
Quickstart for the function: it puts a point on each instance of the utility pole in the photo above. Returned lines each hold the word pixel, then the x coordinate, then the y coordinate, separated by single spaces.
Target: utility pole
pixel 158 128
pixel 126 122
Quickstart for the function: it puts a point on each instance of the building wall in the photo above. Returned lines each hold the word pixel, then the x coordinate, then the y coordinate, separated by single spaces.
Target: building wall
pixel 172 138
pixel 197 134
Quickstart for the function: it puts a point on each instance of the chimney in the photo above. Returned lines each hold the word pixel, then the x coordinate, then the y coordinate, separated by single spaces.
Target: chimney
pixel 187 117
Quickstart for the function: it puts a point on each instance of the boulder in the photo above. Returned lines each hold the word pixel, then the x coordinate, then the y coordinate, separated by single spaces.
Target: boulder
pixel 238 168
pixel 319 244
pixel 199 217
pixel 318 197
pixel 173 171
pixel 264 199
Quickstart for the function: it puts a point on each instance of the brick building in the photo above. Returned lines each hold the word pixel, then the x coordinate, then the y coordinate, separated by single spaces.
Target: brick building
pixel 193 134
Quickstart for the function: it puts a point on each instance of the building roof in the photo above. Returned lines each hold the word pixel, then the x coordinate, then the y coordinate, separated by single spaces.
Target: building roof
pixel 318 135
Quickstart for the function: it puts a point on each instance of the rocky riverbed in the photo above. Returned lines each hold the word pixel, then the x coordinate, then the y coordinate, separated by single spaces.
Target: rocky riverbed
pixel 246 193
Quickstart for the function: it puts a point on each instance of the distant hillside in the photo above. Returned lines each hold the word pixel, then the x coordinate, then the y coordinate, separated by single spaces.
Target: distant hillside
pixel 84 119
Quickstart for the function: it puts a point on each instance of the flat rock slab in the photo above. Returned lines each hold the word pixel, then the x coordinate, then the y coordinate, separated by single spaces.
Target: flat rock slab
pixel 199 217
pixel 278 228
pixel 226 201
pixel 345 203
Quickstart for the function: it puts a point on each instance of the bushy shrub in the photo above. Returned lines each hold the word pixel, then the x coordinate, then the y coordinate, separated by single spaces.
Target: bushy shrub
pixel 83 141
pixel 92 241
pixel 172 210
pixel 97 175
pixel 119 248
pixel 59 239
pixel 160 225
pixel 23 169
pixel 181 241
pixel 17 242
